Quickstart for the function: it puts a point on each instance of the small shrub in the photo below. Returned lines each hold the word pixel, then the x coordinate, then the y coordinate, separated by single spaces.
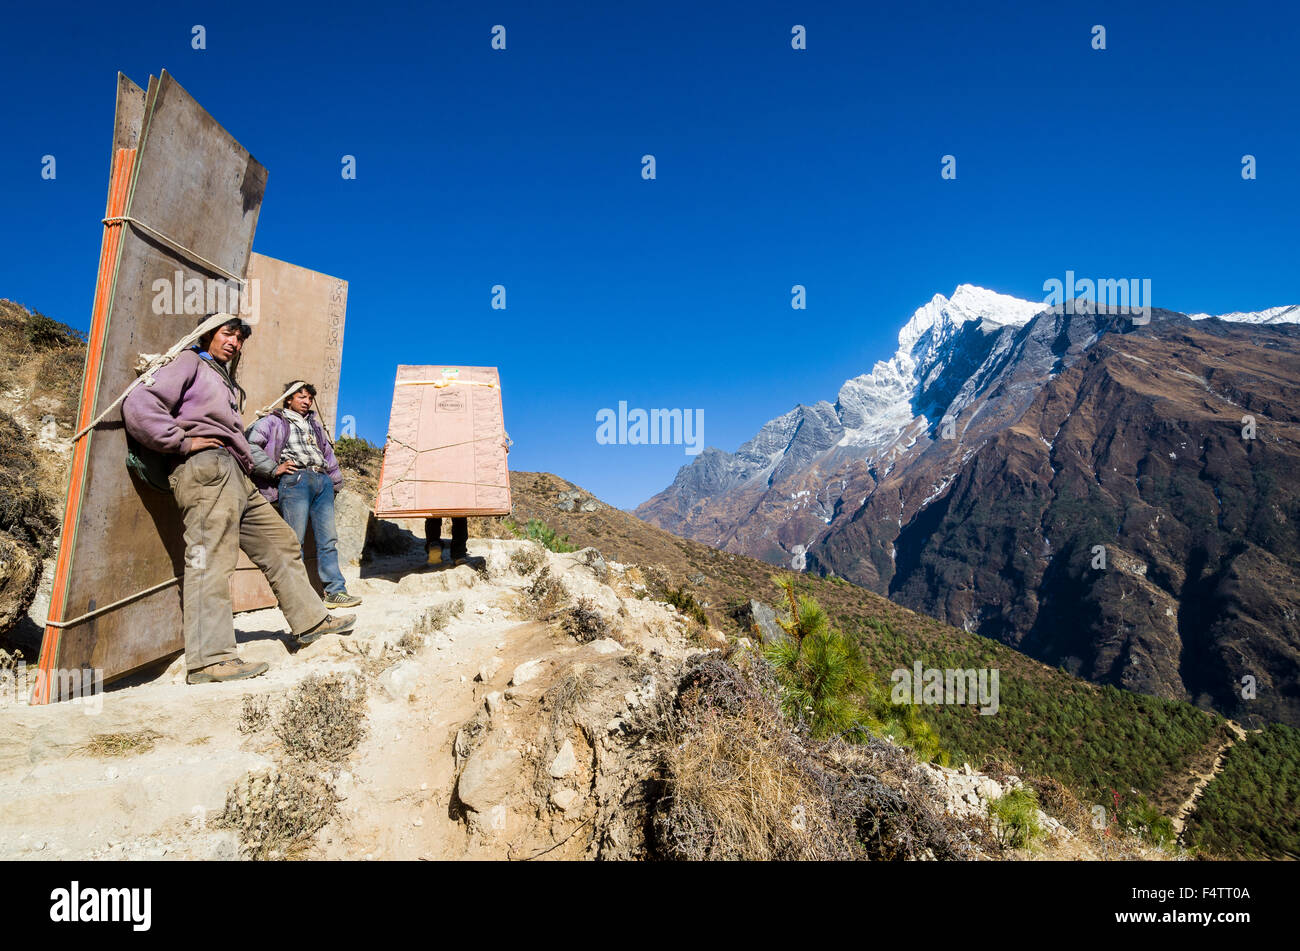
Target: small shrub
pixel 255 715
pixel 1015 818
pixel 43 332
pixel 357 453
pixel 323 717
pixel 439 616
pixel 546 594
pixel 276 813
pixel 685 602
pixel 544 535
pixel 526 560
pixel 585 621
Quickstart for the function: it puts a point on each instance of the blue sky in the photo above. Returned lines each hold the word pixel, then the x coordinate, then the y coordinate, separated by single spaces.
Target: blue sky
pixel 774 167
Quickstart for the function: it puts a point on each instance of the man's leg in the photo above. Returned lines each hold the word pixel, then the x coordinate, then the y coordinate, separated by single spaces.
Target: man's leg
pixel 327 536
pixel 208 487
pixel 459 537
pixel 273 547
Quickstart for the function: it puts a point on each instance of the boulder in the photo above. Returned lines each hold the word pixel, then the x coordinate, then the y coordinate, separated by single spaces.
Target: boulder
pixel 526 671
pixel 565 761
pixel 488 777
pixel 401 680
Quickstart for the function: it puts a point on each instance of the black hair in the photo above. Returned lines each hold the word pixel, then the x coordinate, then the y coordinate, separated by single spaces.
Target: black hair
pixel 237 324
pixel 306 386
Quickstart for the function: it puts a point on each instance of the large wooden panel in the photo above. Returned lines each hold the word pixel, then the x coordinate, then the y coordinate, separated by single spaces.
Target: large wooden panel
pixel 191 181
pixel 445 453
pixel 297 318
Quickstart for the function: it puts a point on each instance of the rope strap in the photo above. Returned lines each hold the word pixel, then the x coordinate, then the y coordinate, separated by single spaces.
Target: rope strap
pixel 294 387
pixel 442 383
pixel 109 607
pixel 175 246
pixel 156 364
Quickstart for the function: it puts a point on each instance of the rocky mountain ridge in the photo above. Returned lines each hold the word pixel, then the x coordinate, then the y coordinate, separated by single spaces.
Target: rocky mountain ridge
pixel 857 488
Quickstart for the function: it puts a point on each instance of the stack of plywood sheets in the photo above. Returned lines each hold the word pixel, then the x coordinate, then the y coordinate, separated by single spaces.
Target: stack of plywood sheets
pixel 298 335
pixel 183 204
pixel 446 450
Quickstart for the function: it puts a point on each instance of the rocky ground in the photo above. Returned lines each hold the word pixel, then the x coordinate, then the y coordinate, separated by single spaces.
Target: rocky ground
pixel 487 719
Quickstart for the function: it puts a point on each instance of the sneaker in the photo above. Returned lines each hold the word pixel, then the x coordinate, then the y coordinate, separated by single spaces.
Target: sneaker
pixel 333 624
pixel 341 599
pixel 233 669
pixel 433 556
pixel 461 559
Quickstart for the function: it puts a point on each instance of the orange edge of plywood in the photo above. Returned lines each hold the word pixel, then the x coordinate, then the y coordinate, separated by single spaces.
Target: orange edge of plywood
pixel 123 166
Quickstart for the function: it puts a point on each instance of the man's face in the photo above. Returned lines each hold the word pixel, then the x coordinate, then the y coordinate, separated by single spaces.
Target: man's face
pixel 300 402
pixel 225 344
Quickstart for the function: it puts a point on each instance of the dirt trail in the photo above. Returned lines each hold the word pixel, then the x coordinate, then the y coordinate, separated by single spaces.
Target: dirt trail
pixel 1203 779
pixel 60 797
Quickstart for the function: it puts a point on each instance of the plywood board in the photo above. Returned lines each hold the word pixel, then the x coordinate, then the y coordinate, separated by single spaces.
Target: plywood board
pixel 297 319
pixel 445 453
pixel 191 181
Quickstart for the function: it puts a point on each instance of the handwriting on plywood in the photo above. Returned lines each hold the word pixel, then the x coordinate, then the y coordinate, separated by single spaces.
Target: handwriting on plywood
pixel 445 452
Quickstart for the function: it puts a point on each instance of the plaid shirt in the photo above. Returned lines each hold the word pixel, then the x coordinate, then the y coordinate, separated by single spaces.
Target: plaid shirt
pixel 301 445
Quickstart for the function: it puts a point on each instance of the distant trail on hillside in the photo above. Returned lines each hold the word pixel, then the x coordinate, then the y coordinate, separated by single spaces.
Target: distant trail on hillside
pixel 1203 780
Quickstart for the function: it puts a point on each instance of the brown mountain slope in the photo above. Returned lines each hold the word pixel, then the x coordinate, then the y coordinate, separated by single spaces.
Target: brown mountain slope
pixel 1136 453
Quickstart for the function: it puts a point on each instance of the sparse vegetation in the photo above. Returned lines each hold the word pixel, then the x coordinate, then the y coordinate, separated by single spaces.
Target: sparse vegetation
pixel 323 717
pixel 277 812
pixel 685 602
pixel 357 453
pixel 586 622
pixel 121 744
pixel 527 559
pixel 538 531
pixel 1014 817
pixel 739 784
pixel 545 595
pixel 255 715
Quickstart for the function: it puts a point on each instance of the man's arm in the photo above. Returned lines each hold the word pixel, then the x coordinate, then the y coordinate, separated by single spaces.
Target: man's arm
pixel 148 410
pixel 263 465
pixel 331 463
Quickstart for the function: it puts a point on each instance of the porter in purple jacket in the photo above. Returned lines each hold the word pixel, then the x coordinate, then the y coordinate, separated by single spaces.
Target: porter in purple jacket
pixel 266 442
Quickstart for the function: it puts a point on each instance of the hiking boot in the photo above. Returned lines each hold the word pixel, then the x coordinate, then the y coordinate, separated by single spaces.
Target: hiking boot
pixel 233 669
pixel 333 624
pixel 341 599
pixel 461 559
pixel 433 556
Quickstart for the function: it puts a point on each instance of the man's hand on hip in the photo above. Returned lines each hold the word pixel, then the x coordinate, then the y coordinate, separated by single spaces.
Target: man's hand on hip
pixel 203 442
pixel 286 467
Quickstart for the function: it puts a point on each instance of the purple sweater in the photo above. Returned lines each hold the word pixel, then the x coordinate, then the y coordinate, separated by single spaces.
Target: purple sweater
pixel 187 400
pixel 267 439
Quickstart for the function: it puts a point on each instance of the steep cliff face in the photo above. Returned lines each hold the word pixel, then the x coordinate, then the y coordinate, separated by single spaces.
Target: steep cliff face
pixel 1130 526
pixel 976 473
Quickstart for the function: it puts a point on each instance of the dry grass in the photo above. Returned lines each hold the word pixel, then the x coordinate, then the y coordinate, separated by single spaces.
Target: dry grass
pixel 527 558
pixel 737 794
pixel 324 718
pixel 255 715
pixel 432 621
pixel 277 812
pixel 121 744
pixel 740 783
pixel 545 596
pixel 585 622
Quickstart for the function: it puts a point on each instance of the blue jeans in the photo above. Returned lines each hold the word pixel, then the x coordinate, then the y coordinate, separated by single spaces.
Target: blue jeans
pixel 310 495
